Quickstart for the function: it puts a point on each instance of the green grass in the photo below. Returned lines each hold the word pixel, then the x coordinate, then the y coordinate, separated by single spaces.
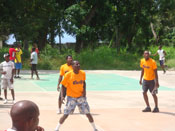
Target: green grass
pixel 103 58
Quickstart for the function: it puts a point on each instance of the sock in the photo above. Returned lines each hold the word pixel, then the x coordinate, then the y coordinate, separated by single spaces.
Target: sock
pixel 93 125
pixel 58 127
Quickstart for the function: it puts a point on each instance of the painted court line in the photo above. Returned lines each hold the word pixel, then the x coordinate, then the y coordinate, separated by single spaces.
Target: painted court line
pixel 98 127
pixel 39 87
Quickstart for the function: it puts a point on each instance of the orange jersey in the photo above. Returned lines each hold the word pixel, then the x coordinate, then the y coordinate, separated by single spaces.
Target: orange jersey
pixel 64 69
pixel 74 83
pixel 149 66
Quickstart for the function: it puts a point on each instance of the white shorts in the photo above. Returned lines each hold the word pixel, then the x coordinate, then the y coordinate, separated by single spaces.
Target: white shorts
pixel 6 83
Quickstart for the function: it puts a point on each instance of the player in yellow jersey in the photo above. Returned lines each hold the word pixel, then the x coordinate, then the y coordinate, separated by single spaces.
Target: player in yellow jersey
pixel 18 62
pixel 150 80
pixel 63 70
pixel 74 82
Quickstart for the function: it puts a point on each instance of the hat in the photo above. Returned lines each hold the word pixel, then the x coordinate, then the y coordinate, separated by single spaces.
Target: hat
pixel 6 54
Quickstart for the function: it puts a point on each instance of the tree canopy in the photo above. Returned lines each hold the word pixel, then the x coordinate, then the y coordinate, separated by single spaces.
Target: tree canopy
pixel 130 24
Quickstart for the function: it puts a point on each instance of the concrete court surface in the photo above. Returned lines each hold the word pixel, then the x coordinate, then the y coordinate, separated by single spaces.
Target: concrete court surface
pixel 113 109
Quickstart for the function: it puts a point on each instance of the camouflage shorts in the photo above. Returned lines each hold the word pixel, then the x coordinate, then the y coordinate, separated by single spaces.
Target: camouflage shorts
pixel 73 102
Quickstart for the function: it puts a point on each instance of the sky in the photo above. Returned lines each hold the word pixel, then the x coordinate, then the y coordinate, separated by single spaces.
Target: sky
pixel 65 39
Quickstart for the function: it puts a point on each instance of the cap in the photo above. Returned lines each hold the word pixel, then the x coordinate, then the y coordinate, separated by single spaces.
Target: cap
pixel 6 54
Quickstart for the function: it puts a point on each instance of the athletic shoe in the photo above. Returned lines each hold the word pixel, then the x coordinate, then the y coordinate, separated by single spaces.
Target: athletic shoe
pixel 95 130
pixel 59 111
pixel 156 109
pixel 15 77
pixel 1 98
pixel 13 101
pixel 5 101
pixel 147 109
pixel 38 78
pixel 18 77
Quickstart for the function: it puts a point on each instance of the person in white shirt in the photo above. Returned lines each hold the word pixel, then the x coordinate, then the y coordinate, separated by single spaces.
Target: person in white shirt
pixel 34 62
pixel 25 116
pixel 162 55
pixel 8 69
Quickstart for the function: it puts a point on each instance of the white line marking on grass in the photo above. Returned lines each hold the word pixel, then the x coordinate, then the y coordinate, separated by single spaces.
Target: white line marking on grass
pixel 98 127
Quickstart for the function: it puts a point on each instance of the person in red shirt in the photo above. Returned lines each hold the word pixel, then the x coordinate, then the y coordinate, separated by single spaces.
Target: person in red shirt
pixel 12 53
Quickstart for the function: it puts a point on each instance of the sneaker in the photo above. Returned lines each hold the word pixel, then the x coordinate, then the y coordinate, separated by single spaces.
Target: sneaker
pixel 38 78
pixel 147 109
pixel 5 101
pixel 95 130
pixel 1 98
pixel 18 77
pixel 15 77
pixel 156 109
pixel 13 101
pixel 59 111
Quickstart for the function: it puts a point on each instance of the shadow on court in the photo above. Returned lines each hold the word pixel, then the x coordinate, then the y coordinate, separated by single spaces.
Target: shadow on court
pixel 6 106
pixel 168 113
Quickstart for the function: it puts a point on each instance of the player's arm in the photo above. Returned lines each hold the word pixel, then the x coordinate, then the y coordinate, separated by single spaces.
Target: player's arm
pixel 155 54
pixel 13 72
pixel 164 53
pixel 59 82
pixel 62 92
pixel 84 89
pixel 156 79
pixel 141 76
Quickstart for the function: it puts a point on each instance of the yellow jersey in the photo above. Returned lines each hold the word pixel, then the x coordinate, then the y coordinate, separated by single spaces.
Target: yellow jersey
pixel 64 69
pixel 149 66
pixel 74 83
pixel 18 56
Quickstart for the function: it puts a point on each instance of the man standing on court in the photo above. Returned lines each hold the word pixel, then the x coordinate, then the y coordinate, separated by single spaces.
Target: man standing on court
pixel 34 62
pixel 150 80
pixel 18 64
pixel 7 76
pixel 74 82
pixel 161 54
pixel 63 70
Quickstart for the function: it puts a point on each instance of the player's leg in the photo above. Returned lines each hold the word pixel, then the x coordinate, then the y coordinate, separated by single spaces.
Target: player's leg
pixel 84 109
pixel 5 95
pixel 145 87
pixel 36 72
pixel 32 72
pixel 59 100
pixel 4 85
pixel 10 86
pixel 70 105
pixel 162 66
pixel 0 89
pixel 15 76
pixel 151 88
pixel 13 95
pixel 0 94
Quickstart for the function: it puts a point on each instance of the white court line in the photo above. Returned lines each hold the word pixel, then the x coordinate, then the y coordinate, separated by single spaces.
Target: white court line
pixel 39 87
pixel 99 128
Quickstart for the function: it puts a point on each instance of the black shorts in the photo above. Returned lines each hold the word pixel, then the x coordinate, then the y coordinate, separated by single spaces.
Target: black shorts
pixel 33 67
pixel 148 85
pixel 64 94
pixel 161 62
